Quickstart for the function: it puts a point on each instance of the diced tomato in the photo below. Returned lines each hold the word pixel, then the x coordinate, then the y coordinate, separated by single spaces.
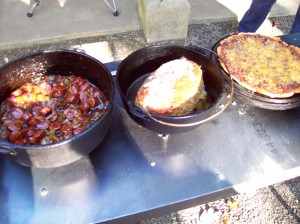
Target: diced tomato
pixel 79 81
pixel 93 101
pixel 84 107
pixel 85 87
pixel 45 111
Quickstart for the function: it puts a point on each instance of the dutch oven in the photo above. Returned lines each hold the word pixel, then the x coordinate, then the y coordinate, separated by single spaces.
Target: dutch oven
pixel 63 62
pixel 137 67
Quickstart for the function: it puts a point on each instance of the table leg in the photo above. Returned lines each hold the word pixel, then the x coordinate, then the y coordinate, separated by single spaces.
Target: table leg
pixel 112 7
pixel 30 13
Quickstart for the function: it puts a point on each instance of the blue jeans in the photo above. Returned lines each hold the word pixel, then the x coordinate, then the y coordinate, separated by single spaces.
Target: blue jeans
pixel 258 12
pixel 296 25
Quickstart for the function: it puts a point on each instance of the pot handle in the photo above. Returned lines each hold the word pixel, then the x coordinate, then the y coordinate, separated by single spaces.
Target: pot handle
pixel 137 111
pixel 224 106
pixel 7 150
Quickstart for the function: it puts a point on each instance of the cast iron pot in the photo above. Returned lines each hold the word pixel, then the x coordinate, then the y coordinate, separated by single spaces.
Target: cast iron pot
pixel 62 62
pixel 138 65
pixel 253 98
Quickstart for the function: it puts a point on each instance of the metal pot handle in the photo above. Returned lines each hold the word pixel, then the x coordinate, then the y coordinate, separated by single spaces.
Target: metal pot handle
pixel 206 119
pixel 137 111
pixel 7 150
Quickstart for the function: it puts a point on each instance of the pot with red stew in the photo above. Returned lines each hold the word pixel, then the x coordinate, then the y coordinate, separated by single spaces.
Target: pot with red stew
pixel 56 107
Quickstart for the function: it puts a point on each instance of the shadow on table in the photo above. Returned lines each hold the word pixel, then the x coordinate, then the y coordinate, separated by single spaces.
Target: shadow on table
pixel 16 192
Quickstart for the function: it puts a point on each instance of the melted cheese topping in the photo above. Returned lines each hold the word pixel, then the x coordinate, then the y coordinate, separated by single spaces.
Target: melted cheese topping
pixel 263 64
pixel 175 75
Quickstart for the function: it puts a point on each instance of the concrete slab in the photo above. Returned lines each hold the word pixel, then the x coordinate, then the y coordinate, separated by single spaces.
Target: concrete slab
pixel 58 20
pixel 160 19
pixel 55 20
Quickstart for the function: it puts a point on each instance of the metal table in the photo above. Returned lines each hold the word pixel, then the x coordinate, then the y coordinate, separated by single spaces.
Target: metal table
pixel 136 174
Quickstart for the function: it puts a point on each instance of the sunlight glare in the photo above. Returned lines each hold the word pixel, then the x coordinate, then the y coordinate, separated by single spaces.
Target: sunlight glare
pixel 264 175
pixel 267 28
pixel 99 50
pixel 62 2
pixel 178 166
pixel 27 2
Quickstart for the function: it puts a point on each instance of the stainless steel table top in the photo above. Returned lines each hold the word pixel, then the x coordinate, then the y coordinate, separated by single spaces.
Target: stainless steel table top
pixel 136 174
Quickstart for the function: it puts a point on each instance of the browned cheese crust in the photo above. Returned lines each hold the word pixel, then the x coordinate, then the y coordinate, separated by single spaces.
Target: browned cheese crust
pixel 174 89
pixel 262 64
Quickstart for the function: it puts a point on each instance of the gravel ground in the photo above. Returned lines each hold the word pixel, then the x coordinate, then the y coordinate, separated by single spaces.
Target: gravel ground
pixel 278 203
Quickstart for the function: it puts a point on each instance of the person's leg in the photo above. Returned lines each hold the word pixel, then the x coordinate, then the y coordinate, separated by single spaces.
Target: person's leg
pixel 255 15
pixel 296 25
